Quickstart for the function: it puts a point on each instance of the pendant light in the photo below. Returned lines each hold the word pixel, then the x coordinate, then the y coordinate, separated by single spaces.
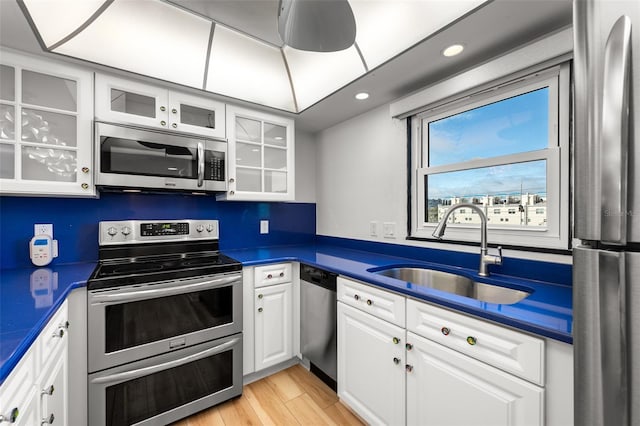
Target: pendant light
pixel 316 25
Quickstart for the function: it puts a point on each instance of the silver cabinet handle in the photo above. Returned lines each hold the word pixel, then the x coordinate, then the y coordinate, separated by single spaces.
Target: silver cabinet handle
pixel 11 417
pixel 200 160
pixel 48 420
pixel 614 133
pixel 128 375
pixel 161 292
pixel 47 391
pixel 58 333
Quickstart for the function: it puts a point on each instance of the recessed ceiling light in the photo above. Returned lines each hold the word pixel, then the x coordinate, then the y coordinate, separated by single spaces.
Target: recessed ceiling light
pixel 453 50
pixel 362 96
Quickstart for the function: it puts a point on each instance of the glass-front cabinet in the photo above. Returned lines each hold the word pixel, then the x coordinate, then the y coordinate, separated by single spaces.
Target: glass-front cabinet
pixel 45 127
pixel 125 101
pixel 261 156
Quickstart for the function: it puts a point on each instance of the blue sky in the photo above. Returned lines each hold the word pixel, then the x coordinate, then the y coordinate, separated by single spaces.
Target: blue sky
pixel 510 126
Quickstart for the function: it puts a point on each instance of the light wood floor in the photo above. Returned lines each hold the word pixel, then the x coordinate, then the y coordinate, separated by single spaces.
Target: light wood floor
pixel 291 397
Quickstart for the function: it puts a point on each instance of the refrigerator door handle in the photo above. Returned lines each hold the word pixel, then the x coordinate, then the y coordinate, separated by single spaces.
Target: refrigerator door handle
pixel 614 133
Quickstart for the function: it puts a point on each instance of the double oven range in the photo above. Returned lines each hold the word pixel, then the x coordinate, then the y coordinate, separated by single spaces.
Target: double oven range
pixel 164 323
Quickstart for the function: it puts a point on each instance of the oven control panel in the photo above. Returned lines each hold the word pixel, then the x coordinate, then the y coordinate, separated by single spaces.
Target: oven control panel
pixel 154 231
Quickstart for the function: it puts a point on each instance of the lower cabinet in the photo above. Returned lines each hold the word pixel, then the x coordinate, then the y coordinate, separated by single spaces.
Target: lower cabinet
pixel 445 387
pixel 273 325
pixel 36 391
pixel 371 364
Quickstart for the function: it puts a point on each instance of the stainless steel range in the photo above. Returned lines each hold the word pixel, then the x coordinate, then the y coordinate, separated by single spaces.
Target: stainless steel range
pixel 164 322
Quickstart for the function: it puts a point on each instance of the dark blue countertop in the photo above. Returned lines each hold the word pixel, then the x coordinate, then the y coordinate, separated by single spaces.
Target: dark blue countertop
pixel 30 296
pixel 547 311
pixel 28 299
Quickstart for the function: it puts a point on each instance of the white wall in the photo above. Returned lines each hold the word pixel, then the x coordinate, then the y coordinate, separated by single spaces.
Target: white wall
pixel 361 177
pixel 305 167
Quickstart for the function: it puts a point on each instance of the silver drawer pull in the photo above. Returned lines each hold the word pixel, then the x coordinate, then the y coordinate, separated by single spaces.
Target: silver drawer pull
pixel 48 420
pixel 47 391
pixel 58 334
pixel 11 417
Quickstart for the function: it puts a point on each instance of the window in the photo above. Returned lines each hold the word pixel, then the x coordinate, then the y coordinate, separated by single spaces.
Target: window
pixel 503 146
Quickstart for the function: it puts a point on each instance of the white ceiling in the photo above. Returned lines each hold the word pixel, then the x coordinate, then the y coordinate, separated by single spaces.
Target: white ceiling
pixel 497 27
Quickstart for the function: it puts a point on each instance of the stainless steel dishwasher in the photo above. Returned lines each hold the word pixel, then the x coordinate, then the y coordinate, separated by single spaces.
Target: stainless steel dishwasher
pixel 318 322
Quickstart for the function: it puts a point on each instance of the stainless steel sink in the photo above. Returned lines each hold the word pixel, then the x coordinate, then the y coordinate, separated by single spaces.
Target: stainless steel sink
pixel 456 284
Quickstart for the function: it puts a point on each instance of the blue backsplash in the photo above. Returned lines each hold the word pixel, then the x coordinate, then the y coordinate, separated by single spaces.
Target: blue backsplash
pixel 75 221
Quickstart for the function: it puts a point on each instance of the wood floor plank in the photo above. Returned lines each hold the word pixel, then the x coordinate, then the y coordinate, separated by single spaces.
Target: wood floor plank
pixel 284 386
pixel 342 415
pixel 307 412
pixel 268 405
pixel 210 417
pixel 238 412
pixel 321 394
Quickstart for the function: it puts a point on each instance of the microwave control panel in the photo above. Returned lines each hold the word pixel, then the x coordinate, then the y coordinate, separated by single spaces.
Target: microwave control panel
pixel 214 166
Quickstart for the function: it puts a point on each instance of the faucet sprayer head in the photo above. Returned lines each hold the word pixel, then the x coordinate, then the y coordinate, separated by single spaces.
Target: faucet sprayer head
pixel 439 231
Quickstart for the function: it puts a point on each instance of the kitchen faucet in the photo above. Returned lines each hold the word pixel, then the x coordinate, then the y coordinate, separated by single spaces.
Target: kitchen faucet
pixel 486 259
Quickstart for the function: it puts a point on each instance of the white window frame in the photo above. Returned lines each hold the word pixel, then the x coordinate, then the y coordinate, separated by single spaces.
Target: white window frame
pixel 556 234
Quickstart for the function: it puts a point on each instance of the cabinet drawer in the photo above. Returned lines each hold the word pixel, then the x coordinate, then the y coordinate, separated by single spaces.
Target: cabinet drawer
pixel 512 351
pixel 50 345
pixel 272 274
pixel 382 304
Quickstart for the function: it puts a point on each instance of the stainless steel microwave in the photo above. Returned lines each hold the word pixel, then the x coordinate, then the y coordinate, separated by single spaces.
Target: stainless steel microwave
pixel 132 157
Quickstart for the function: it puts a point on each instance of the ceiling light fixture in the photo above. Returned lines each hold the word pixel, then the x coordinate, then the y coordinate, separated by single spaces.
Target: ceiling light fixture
pixel 316 25
pixel 362 96
pixel 453 50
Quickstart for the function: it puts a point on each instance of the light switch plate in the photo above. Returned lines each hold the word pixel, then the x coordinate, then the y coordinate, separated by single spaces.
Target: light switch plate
pixel 389 229
pixel 373 228
pixel 264 226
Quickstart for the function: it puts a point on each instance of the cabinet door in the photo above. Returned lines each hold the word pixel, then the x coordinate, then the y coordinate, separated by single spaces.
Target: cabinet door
pixel 197 115
pixel 371 366
pixel 260 156
pixel 447 388
pixel 273 326
pixel 124 101
pixel 45 127
pixel 54 388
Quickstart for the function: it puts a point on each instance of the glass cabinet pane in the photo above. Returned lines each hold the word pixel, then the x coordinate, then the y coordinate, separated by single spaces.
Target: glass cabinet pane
pixel 49 128
pixel 7 83
pixel 275 158
pixel 49 91
pixel 248 155
pixel 275 181
pixel 133 103
pixel 48 164
pixel 7 122
pixel 275 135
pixel 249 180
pixel 7 168
pixel 248 130
pixel 195 116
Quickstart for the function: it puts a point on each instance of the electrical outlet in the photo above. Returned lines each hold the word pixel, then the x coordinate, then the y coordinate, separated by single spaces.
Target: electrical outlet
pixel 389 229
pixel 43 229
pixel 264 226
pixel 373 228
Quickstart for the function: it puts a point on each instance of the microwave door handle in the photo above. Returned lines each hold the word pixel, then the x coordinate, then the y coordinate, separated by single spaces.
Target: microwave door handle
pixel 134 374
pixel 614 136
pixel 161 292
pixel 200 160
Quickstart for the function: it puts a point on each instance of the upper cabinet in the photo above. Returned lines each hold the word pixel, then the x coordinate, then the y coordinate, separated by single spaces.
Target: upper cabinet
pixel 45 127
pixel 125 101
pixel 261 156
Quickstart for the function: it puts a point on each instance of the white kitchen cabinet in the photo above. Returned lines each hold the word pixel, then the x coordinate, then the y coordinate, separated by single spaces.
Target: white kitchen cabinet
pixel 371 366
pixel 37 386
pixel 447 388
pixel 260 156
pixel 46 140
pixel 273 325
pixel 130 102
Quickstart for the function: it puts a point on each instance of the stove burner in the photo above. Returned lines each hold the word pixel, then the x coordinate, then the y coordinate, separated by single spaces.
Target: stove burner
pixel 201 261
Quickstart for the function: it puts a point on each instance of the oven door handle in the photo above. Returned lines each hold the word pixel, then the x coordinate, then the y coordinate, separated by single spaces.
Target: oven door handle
pixel 200 160
pixel 161 292
pixel 134 374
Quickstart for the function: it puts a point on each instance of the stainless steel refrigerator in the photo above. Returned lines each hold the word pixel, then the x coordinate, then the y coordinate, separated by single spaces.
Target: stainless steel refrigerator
pixel 606 274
